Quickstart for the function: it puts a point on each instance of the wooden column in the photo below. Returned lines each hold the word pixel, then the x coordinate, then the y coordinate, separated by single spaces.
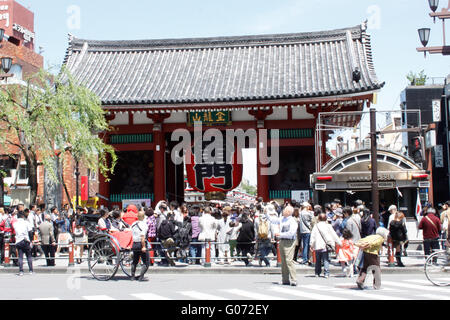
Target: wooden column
pixel 159 157
pixel 263 180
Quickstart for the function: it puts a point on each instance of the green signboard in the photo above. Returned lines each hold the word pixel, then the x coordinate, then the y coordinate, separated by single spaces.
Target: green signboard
pixel 210 118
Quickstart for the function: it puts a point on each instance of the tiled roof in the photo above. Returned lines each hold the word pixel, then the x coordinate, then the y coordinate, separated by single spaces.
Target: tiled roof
pixel 225 69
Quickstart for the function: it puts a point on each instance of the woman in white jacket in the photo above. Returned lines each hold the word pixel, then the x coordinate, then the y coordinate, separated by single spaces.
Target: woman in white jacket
pixel 323 240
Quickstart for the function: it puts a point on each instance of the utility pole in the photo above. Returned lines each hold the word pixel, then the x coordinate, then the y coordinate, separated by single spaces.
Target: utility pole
pixel 374 165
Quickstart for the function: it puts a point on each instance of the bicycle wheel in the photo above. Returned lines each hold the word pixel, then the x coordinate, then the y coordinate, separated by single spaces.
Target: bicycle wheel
pixel 437 269
pixel 103 259
pixel 126 260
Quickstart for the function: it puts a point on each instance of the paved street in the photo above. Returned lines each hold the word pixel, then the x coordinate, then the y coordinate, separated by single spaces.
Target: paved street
pixel 214 287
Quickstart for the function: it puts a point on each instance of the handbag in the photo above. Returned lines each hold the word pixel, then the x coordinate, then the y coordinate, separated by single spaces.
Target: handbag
pixel 329 247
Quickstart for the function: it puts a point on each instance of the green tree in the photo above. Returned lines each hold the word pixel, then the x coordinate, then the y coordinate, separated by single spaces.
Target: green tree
pixel 417 79
pixel 248 188
pixel 54 112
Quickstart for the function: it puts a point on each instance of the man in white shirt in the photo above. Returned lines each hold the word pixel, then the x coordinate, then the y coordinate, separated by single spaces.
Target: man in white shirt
pixel 208 227
pixel 22 228
pixel 288 241
pixel 139 230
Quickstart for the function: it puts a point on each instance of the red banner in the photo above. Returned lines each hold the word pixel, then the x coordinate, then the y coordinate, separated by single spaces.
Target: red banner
pixel 84 188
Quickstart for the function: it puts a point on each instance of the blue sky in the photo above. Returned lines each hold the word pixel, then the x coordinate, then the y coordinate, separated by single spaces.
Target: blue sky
pixel 393 26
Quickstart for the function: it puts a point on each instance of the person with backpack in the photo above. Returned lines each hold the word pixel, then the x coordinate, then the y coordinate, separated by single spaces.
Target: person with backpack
pixel 183 236
pixel 263 239
pixel 166 235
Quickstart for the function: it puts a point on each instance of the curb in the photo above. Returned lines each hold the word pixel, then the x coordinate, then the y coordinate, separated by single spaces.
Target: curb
pixel 203 270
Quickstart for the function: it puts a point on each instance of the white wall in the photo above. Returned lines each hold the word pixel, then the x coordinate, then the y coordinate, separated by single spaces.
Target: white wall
pixel 301 113
pixel 120 119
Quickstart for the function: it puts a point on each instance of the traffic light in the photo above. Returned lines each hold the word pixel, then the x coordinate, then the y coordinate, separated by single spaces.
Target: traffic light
pixel 418 150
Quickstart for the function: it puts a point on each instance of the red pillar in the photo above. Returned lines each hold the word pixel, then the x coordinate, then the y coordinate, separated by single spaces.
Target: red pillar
pixel 159 173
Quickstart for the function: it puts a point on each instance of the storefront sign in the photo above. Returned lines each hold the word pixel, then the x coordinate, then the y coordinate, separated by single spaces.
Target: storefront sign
pixel 301 195
pixel 365 185
pixel 27 34
pixel 439 156
pixel 430 139
pixel 436 110
pixel 137 202
pixel 210 118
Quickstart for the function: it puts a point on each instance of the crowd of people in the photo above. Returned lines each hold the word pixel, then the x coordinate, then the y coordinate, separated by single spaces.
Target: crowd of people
pixel 306 234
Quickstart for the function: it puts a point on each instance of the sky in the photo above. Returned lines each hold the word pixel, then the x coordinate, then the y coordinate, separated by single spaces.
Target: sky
pixel 392 25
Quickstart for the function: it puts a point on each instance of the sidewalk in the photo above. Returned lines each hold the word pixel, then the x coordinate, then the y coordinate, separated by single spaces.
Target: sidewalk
pixel 413 264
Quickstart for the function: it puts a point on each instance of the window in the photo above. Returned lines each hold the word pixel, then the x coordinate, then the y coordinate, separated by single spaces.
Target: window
pixel 17 71
pixel 92 175
pixel 23 172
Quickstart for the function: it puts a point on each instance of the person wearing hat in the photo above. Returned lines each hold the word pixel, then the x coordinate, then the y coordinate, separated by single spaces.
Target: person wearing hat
pixel 371 246
pixel 288 239
pixel 305 217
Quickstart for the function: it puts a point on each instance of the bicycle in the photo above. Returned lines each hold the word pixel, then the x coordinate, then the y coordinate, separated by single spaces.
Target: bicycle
pixel 437 268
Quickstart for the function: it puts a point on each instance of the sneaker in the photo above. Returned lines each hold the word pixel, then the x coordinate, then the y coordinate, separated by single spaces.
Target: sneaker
pixel 20 274
pixel 326 276
pixel 31 272
pixel 293 283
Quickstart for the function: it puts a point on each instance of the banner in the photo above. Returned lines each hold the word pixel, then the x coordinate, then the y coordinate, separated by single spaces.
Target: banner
pixel 84 188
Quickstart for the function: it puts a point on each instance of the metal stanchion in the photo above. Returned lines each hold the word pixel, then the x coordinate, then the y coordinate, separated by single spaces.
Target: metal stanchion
pixel 391 261
pixel 7 262
pixel 278 255
pixel 208 255
pixel 71 255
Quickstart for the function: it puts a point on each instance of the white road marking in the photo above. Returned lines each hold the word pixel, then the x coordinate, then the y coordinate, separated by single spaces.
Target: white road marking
pixel 417 287
pixel 434 297
pixel 367 294
pixel 251 295
pixel 99 297
pixel 201 296
pixel 308 295
pixel 51 298
pixel 149 296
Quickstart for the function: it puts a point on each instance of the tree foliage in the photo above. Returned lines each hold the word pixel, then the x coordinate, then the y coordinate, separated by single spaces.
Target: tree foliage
pixel 419 79
pixel 54 112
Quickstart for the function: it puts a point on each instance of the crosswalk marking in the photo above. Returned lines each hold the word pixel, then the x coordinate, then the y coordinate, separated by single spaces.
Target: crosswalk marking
pixel 309 295
pixel 251 295
pixel 418 281
pixel 334 289
pixel 201 296
pixel 416 287
pixel 367 294
pixel 149 296
pixel 434 297
pixel 51 298
pixel 99 297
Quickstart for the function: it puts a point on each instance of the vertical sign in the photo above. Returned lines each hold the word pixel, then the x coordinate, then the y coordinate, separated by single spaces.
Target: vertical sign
pixel 300 195
pixel 84 188
pixel 439 156
pixel 436 110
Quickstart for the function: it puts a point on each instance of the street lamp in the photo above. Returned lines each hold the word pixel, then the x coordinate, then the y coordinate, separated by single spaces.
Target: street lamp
pixel 434 4
pixel 6 64
pixel 424 35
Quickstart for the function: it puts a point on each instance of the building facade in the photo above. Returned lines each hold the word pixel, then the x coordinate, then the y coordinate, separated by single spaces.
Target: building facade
pixel 150 88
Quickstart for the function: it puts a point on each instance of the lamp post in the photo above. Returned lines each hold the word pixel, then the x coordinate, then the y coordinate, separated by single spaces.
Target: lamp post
pixel 424 33
pixel 77 181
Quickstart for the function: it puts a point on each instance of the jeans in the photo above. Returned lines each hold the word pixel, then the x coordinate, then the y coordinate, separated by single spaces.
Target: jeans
pixel 264 248
pixel 195 251
pixel 24 247
pixel 429 244
pixel 322 256
pixel 305 242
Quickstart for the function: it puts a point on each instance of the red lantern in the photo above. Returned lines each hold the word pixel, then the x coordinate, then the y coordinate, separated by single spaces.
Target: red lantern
pixel 214 177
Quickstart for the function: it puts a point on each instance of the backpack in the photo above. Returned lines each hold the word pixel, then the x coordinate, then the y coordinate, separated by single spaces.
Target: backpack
pixel 263 229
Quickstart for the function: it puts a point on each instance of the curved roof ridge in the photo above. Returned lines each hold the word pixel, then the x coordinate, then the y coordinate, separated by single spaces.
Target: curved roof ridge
pixel 210 42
